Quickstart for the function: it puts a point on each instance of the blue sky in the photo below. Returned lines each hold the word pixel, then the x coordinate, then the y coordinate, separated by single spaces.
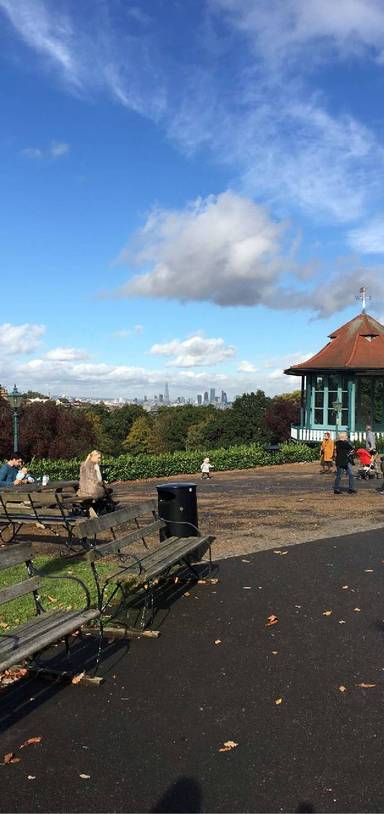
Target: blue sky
pixel 191 189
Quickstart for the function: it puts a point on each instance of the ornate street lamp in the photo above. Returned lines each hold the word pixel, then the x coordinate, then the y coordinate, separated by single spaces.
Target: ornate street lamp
pixel 15 398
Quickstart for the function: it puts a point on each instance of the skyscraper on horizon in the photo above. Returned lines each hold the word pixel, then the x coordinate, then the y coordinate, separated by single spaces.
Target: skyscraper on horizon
pixel 166 393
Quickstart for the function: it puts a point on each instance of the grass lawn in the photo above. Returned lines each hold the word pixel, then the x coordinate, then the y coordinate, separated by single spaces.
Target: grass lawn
pixel 55 594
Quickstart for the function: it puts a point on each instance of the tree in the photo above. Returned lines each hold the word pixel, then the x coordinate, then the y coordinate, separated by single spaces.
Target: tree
pixel 140 437
pixel 171 426
pixel 48 430
pixel 6 434
pixel 116 425
pixel 249 411
pixel 281 413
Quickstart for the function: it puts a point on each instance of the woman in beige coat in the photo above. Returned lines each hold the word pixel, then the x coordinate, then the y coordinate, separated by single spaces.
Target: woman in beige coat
pixel 92 486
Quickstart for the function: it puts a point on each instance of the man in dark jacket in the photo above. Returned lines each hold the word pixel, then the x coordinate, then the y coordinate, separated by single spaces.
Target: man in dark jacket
pixel 9 470
pixel 343 460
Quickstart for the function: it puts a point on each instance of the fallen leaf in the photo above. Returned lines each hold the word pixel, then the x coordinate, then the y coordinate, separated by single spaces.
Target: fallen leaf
pixel 85 776
pixel 368 570
pixel 247 588
pixel 357 610
pixel 218 641
pixel 4 625
pixel 245 560
pixel 228 745
pixel 77 678
pixel 342 688
pixel 272 620
pixel 365 686
pixel 344 587
pixel 31 777
pixel 282 553
pixel 278 701
pixel 176 580
pixel 342 622
pixel 52 598
pixel 30 741
pixel 274 652
pixel 327 613
pixel 10 757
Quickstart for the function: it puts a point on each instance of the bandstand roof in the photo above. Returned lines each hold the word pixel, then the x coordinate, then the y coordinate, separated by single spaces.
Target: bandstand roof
pixel 357 345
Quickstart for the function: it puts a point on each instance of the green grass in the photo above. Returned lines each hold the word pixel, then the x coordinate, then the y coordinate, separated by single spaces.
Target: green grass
pixel 55 594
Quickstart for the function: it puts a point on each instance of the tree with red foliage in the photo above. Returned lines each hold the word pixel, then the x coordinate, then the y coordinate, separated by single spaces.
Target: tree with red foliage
pixel 282 411
pixel 48 430
pixel 6 435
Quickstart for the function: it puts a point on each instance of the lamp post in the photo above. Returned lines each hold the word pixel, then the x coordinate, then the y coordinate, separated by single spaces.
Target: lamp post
pixel 15 398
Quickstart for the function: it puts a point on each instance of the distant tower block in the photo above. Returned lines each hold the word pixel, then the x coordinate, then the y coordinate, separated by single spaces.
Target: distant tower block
pixel 166 393
pixel 212 395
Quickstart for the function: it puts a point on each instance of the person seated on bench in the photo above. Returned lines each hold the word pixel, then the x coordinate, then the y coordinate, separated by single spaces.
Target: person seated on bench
pixel 9 470
pixel 23 476
pixel 92 486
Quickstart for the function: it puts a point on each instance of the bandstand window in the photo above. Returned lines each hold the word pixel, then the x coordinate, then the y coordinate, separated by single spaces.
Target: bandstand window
pixel 319 399
pixel 333 384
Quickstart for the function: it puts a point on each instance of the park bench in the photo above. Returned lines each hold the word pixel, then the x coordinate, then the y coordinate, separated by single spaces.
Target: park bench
pixel 137 578
pixel 47 628
pixel 48 507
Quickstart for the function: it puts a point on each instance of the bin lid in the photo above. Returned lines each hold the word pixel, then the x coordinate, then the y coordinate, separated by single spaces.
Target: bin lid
pixel 181 485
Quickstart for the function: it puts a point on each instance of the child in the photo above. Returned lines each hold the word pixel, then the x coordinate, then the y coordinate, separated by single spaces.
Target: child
pixel 23 476
pixel 205 469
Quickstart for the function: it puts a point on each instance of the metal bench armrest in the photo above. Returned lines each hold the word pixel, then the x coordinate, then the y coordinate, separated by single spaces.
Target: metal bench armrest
pixel 36 571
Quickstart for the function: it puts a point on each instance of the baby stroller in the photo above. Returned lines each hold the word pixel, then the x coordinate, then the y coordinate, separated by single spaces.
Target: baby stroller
pixel 368 465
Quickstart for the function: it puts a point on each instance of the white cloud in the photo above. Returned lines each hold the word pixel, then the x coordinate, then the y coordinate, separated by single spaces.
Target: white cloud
pixel 282 29
pixel 223 249
pixel 369 238
pixel 196 351
pixel 124 333
pixel 66 354
pixel 56 150
pixel 20 338
pixel 247 367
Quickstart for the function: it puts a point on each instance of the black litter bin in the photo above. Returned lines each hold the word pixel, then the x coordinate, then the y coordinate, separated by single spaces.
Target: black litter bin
pixel 178 507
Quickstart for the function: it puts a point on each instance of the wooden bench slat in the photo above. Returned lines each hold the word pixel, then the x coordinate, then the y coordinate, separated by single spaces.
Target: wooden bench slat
pixel 15 554
pixel 112 546
pixel 89 528
pixel 21 649
pixel 160 560
pixel 44 622
pixel 19 589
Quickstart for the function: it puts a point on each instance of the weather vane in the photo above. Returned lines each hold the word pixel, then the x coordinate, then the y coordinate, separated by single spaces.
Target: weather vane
pixel 363 297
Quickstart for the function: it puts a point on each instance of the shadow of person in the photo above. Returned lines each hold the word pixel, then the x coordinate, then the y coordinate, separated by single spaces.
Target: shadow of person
pixel 183 796
pixel 305 806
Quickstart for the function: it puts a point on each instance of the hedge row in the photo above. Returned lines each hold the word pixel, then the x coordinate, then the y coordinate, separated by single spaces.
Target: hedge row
pixel 136 467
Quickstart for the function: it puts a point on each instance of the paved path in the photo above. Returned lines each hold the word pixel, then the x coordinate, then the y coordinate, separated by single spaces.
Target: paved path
pixel 149 738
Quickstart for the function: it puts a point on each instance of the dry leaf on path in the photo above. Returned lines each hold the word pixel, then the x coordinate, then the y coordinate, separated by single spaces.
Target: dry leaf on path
pixel 272 620
pixel 228 745
pixel 77 678
pixel 281 553
pixel 357 610
pixel 278 701
pixel 274 652
pixel 30 741
pixel 217 641
pixel 10 757
pixel 327 613
pixel 344 587
pixel 245 560
pixel 365 686
pixel 31 777
pixel 368 570
pixel 342 688
pixel 84 776
pixel 342 622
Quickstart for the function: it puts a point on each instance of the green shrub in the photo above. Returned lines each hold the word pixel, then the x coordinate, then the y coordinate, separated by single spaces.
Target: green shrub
pixel 137 467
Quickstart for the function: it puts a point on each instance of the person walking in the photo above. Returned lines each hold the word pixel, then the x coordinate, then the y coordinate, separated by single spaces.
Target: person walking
pixel 343 460
pixel 327 451
pixel 206 469
pixel 370 440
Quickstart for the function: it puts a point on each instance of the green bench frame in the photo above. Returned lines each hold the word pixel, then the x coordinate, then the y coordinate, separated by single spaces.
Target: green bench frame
pixel 47 628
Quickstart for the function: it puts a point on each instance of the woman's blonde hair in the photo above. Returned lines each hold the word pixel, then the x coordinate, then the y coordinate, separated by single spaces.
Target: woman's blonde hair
pixel 342 436
pixel 91 454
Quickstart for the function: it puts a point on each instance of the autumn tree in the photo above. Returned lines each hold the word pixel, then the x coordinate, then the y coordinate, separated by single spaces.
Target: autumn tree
pixel 140 437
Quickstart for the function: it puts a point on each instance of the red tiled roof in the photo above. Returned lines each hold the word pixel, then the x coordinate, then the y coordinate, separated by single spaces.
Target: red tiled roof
pixel 357 345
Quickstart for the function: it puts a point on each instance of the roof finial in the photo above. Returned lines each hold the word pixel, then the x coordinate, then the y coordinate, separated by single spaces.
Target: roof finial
pixel 363 297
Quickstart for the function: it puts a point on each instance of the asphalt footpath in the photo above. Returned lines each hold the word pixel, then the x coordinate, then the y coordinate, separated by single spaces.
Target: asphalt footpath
pixel 264 693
